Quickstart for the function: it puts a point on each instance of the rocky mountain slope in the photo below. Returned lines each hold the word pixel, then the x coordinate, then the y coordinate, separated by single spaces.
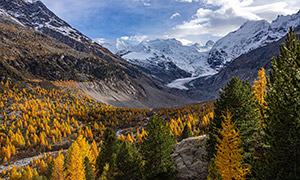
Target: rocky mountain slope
pixel 34 14
pixel 164 59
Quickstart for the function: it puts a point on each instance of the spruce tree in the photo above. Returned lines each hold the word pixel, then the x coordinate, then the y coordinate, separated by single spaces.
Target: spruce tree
pixel 238 98
pixel 186 133
pixel 89 174
pixel 281 158
pixel 156 150
pixel 108 153
pixel 129 162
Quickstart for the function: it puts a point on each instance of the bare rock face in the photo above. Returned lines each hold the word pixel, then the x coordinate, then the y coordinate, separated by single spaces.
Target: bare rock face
pixel 188 155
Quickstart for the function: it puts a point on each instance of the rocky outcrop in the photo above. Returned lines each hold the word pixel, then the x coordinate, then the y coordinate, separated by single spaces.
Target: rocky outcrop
pixel 189 162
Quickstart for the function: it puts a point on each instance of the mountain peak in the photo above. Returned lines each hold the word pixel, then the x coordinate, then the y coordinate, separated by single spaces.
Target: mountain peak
pixel 251 35
pixel 34 14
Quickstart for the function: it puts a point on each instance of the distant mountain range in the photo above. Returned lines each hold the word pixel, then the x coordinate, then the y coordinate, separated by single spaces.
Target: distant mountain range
pixel 164 59
pixel 203 60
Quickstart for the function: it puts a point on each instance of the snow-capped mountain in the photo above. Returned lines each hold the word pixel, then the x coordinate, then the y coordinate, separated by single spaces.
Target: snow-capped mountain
pixel 114 46
pixel 204 60
pixel 34 14
pixel 251 35
pixel 191 59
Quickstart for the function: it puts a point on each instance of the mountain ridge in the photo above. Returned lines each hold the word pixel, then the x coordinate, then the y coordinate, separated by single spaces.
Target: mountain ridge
pixel 200 60
pixel 160 56
pixel 251 35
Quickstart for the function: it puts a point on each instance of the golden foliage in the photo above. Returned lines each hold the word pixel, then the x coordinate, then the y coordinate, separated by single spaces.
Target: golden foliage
pixel 229 158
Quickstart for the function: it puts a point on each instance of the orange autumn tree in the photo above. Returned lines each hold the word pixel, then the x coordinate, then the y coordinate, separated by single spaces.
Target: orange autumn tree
pixel 229 158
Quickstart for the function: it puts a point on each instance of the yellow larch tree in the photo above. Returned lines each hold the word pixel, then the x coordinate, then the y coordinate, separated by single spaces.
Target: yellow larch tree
pixel 85 149
pixel 42 168
pixel 28 172
pixel 58 173
pixel 94 149
pixel 75 168
pixel 121 137
pixel 260 87
pixel 129 138
pixel 229 158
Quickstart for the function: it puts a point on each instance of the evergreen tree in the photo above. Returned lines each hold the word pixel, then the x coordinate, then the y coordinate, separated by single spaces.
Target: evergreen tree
pixel 129 162
pixel 89 175
pixel 108 153
pixel 238 98
pixel 156 150
pixel 186 133
pixel 281 159
pixel 229 158
pixel 50 169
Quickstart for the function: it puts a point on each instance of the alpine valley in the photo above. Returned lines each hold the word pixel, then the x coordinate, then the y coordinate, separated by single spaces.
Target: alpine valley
pixel 204 70
pixel 77 108
pixel 162 65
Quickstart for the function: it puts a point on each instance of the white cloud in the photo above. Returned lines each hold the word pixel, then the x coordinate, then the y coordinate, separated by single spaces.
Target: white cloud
pixel 219 17
pixel 134 39
pixel 174 15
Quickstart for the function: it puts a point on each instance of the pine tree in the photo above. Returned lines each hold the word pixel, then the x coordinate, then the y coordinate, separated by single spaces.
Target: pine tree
pixel 156 150
pixel 229 158
pixel 186 133
pixel 129 162
pixel 108 153
pixel 89 174
pixel 238 98
pixel 281 159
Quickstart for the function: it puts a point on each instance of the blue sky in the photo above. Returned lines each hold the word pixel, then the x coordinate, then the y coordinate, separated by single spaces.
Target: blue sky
pixel 189 21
